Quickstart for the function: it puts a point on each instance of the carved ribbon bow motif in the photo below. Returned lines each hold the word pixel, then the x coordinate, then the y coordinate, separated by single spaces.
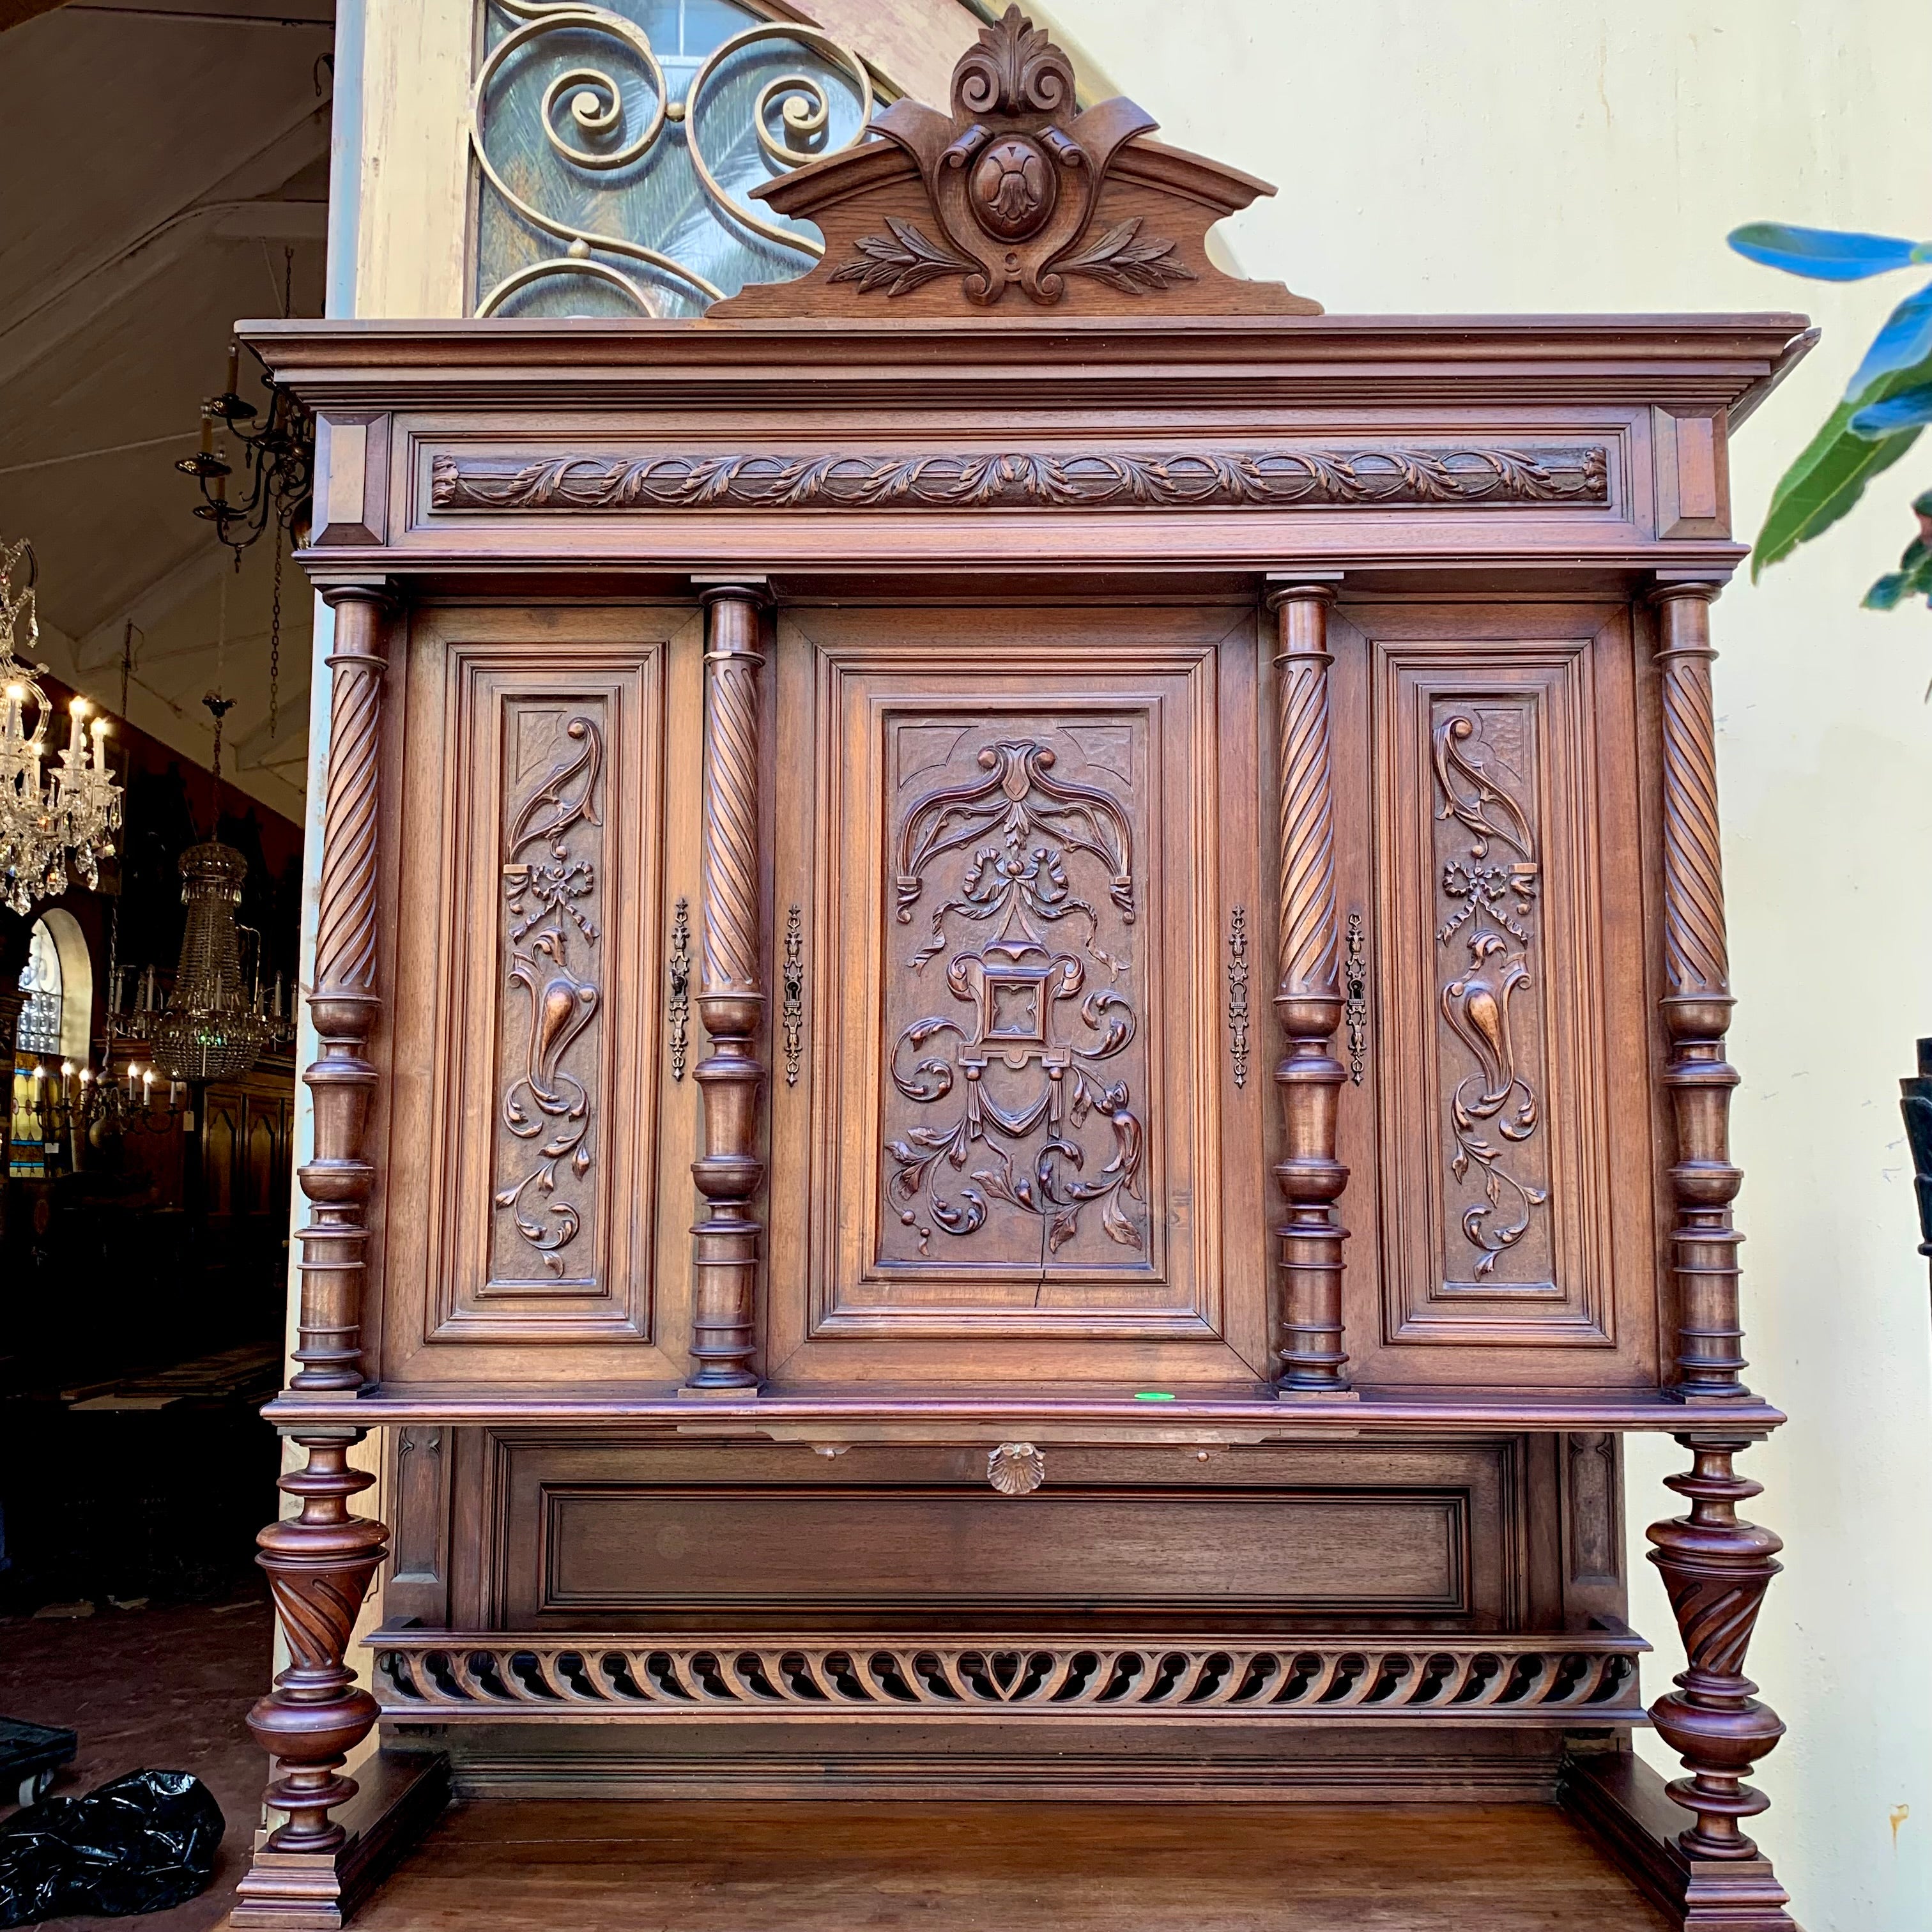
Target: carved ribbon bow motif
pixel 541 897
pixel 1013 984
pixel 1496 900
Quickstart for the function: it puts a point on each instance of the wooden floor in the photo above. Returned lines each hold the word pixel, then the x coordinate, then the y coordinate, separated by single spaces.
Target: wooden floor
pixel 499 1866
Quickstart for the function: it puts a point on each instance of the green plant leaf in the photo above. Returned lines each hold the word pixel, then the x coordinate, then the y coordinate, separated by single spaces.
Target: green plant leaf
pixel 1826 254
pixel 1828 478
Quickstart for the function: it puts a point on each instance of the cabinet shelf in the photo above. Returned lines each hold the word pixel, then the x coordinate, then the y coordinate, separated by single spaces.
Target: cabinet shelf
pixel 1060 1416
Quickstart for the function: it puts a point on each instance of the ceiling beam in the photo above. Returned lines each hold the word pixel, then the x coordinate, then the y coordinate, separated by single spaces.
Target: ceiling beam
pixel 151 605
pixel 48 319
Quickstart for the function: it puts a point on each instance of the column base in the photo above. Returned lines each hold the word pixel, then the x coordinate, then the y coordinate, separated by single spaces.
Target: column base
pixel 401 1794
pixel 1624 1802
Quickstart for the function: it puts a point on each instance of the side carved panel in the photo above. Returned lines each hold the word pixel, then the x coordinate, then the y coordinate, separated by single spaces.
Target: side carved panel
pixel 1487 850
pixel 549 1056
pixel 1498 1213
pixel 549 1096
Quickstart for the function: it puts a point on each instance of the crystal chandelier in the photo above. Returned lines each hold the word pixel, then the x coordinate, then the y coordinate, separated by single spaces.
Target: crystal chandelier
pixel 212 1028
pixel 76 809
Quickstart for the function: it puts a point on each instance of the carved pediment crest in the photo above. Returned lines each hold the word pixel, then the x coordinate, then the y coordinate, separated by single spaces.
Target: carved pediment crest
pixel 1015 186
pixel 1013 174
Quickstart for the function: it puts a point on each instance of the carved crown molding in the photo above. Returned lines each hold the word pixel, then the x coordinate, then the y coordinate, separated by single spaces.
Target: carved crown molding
pixel 1450 477
pixel 1005 191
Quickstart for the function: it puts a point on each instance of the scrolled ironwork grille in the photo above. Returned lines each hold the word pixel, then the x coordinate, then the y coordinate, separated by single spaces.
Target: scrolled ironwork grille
pixel 615 147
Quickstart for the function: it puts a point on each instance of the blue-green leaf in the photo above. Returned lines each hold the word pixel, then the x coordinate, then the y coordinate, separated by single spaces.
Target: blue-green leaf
pixel 1913 578
pixel 1908 408
pixel 1905 340
pixel 1826 254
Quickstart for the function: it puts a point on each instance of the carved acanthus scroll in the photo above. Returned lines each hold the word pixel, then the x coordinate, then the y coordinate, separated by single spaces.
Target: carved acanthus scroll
pixel 1490 907
pixel 547 885
pixel 1038 831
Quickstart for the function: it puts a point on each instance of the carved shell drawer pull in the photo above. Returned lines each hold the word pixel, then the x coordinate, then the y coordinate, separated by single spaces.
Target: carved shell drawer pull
pixel 1015 1468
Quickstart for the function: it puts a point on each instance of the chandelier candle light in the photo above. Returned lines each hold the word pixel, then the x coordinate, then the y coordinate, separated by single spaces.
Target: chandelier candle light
pixel 76 809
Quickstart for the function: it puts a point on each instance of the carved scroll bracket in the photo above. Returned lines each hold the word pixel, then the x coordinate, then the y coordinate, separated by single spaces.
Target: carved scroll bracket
pixel 1308 997
pixel 731 994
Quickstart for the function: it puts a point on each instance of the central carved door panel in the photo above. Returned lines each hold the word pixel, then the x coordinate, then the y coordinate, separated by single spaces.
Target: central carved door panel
pixel 1017 1132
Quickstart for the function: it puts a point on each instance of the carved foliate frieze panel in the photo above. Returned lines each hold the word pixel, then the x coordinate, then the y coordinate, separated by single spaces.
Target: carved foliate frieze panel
pixel 1446 476
pixel 1497 1185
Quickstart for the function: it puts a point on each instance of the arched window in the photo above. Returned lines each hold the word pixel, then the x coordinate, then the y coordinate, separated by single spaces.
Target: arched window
pixel 59 981
pixel 39 1030
pixel 615 147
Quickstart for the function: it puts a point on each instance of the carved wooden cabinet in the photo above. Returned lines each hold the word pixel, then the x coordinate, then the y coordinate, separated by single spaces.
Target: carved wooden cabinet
pixel 1021 988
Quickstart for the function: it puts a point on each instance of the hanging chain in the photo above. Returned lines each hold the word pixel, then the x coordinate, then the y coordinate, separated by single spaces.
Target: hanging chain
pixel 275 645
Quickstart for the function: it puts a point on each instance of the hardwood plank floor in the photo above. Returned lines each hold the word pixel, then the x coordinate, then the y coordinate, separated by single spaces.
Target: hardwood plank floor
pixel 503 1866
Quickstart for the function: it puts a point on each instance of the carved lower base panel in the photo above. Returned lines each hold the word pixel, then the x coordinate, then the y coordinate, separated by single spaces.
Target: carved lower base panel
pixel 441 1676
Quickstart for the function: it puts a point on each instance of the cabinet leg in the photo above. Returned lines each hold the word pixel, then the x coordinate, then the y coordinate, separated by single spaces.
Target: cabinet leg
pixel 320 1563
pixel 1717 1568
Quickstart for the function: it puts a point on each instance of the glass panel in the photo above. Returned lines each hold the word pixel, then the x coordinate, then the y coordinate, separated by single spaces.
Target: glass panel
pixel 39 1029
pixel 616 146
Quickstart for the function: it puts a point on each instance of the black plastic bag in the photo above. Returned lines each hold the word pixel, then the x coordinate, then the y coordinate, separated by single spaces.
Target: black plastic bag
pixel 140 1843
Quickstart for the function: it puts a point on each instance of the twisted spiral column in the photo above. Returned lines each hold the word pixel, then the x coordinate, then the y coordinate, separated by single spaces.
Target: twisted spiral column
pixel 338 1178
pixel 730 999
pixel 1308 1001
pixel 1696 1008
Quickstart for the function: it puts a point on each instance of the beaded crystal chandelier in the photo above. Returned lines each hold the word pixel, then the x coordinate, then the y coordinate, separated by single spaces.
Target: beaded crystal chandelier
pixel 211 1030
pixel 76 809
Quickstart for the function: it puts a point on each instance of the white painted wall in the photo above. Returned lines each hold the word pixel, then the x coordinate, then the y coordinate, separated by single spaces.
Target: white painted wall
pixel 1590 155
pixel 1485 154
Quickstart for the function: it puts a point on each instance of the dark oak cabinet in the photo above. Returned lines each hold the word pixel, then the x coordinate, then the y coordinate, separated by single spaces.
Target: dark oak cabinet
pixel 1021 1001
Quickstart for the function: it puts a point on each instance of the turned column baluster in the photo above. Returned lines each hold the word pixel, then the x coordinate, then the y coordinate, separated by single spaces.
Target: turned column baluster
pixel 731 997
pixel 1696 1008
pixel 320 1563
pixel 338 1177
pixel 1308 1000
pixel 1716 1568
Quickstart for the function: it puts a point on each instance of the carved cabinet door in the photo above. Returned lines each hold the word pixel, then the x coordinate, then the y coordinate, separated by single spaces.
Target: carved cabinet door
pixel 540 1118
pixel 1499 1032
pixel 1018 1067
